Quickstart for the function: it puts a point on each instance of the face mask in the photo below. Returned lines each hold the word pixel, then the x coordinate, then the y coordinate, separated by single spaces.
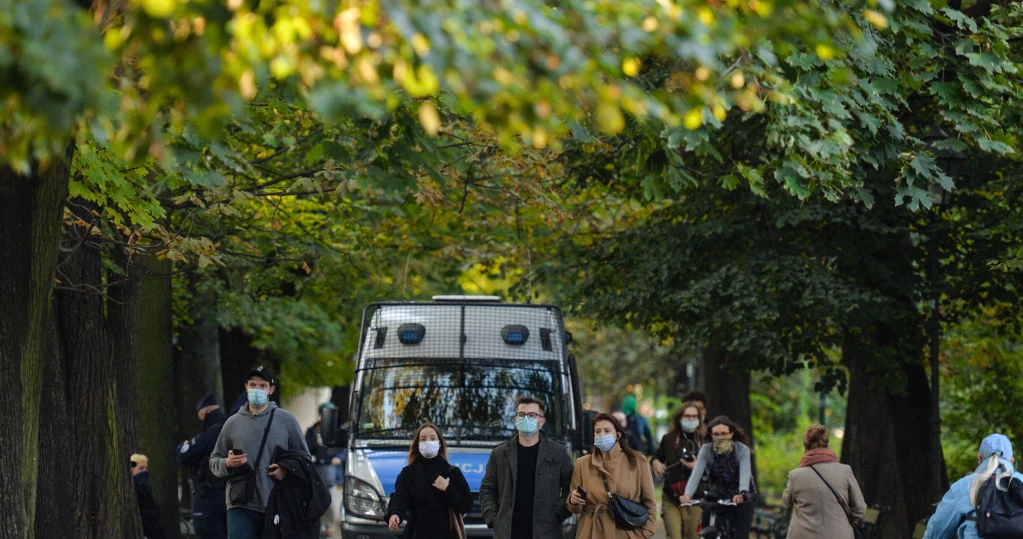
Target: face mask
pixel 689 425
pixel 605 442
pixel 429 449
pixel 258 397
pixel 527 425
pixel 722 446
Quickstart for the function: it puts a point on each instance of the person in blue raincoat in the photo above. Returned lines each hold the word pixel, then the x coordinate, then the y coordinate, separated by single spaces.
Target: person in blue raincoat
pixel 949 518
pixel 209 509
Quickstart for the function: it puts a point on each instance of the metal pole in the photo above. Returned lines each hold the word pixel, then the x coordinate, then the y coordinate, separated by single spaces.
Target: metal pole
pixel 824 405
pixel 935 338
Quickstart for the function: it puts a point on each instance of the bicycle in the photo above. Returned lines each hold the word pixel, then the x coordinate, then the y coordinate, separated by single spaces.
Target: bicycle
pixel 716 528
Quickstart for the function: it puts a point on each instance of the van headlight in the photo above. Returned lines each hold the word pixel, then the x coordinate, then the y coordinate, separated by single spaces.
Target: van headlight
pixel 362 500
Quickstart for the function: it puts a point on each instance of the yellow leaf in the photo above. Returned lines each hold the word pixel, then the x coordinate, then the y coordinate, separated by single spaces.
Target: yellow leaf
pixel 158 9
pixel 630 66
pixel 610 118
pixel 429 117
pixel 876 19
pixel 693 119
pixel 825 52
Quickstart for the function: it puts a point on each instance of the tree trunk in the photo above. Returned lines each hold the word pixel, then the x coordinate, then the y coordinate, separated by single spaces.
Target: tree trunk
pixel 30 211
pixel 886 435
pixel 727 390
pixel 101 392
pixel 160 430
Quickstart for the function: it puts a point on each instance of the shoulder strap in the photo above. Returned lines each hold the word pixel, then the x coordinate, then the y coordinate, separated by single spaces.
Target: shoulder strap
pixel 266 431
pixel 604 479
pixel 840 502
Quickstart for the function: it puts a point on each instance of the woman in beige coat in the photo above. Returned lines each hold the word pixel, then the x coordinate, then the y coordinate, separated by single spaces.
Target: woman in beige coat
pixel 628 476
pixel 817 510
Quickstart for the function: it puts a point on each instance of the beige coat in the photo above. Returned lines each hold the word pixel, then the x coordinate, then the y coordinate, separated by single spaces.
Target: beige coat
pixel 815 511
pixel 629 481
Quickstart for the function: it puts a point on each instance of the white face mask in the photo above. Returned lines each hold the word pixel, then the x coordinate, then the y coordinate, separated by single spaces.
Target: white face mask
pixel 429 449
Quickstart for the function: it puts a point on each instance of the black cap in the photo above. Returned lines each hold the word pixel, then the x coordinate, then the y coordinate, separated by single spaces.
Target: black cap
pixel 261 372
pixel 208 400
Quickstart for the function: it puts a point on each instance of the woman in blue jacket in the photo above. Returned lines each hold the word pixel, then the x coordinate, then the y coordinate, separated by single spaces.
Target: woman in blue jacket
pixel 429 493
pixel 949 518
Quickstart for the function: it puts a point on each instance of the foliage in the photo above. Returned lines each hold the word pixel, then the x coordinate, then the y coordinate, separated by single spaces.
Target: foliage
pixel 982 387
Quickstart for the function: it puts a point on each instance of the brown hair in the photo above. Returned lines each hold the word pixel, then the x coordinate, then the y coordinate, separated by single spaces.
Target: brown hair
pixel 526 399
pixel 737 434
pixel 413 450
pixel 815 437
pixel 676 418
pixel 623 437
pixel 695 395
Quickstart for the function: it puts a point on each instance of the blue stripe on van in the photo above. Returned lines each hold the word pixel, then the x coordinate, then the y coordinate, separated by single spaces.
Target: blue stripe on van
pixel 388 464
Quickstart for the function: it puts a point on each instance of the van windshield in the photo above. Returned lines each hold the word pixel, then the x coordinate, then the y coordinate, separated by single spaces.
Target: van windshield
pixel 470 400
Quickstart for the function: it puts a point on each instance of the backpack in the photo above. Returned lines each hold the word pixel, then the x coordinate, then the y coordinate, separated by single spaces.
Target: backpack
pixel 1000 508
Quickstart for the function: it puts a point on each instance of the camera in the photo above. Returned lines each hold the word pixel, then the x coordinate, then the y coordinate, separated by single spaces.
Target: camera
pixel 687 456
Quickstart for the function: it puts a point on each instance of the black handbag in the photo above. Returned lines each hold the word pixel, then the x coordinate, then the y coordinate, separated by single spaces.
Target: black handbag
pixel 627 514
pixel 859 528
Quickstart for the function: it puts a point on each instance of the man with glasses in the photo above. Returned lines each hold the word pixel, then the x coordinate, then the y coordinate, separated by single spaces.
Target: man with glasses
pixel 525 486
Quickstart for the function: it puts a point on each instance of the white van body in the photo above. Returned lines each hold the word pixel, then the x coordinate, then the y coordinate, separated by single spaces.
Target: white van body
pixel 459 362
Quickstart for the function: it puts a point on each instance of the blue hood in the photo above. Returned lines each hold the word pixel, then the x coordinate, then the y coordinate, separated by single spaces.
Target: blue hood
pixel 388 464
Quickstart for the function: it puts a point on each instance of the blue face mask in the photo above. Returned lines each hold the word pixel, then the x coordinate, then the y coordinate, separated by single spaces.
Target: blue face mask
pixel 258 397
pixel 605 442
pixel 527 425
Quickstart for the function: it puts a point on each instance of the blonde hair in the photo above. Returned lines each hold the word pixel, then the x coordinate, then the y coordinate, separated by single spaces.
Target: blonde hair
pixel 992 467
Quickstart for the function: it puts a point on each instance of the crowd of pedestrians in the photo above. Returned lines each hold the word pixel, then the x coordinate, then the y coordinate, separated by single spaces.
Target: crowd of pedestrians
pixel 238 468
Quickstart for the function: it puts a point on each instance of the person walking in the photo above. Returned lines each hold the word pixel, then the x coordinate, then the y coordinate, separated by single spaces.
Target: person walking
pixel 245 445
pixel 726 461
pixel 209 508
pixel 675 459
pixel 148 508
pixel 525 485
pixel 994 459
pixel 640 437
pixel 822 494
pixel 430 494
pixel 616 468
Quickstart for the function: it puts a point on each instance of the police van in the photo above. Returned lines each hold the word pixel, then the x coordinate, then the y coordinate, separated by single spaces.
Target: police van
pixel 459 362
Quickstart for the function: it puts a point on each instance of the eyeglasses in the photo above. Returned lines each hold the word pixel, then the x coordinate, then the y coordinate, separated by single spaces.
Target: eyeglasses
pixel 530 415
pixel 720 434
pixel 687 416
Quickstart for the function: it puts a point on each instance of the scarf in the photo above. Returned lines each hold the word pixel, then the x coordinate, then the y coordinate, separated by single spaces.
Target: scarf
pixel 818 455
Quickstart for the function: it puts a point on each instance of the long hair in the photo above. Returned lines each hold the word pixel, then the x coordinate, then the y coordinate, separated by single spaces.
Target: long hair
pixel 992 467
pixel 676 418
pixel 413 450
pixel 623 437
pixel 737 434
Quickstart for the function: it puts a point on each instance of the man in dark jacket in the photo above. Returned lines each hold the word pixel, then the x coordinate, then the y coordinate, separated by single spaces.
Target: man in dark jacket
pixel 209 510
pixel 296 502
pixel 330 462
pixel 526 484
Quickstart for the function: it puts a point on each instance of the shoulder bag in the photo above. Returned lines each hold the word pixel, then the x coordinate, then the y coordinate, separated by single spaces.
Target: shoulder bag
pixel 859 529
pixel 243 487
pixel 627 514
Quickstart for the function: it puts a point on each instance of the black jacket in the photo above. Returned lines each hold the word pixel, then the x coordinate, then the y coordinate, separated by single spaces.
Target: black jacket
pixel 208 497
pixel 147 506
pixel 426 508
pixel 296 503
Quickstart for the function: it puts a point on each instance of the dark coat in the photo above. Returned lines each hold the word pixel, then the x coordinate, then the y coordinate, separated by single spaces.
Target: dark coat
pixel 208 499
pixel 553 475
pixel 296 504
pixel 147 506
pixel 427 509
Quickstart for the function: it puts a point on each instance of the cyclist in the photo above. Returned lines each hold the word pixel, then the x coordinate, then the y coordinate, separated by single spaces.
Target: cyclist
pixel 726 461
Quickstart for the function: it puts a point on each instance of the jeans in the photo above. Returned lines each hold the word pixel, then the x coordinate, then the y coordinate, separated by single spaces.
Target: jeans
pixel 244 524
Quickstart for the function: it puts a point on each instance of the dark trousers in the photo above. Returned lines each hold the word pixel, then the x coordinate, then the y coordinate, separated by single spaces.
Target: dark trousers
pixel 244 524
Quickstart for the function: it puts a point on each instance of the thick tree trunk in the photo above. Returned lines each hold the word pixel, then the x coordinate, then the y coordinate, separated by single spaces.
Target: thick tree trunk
pixel 101 391
pixel 159 429
pixel 727 390
pixel 886 436
pixel 30 210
